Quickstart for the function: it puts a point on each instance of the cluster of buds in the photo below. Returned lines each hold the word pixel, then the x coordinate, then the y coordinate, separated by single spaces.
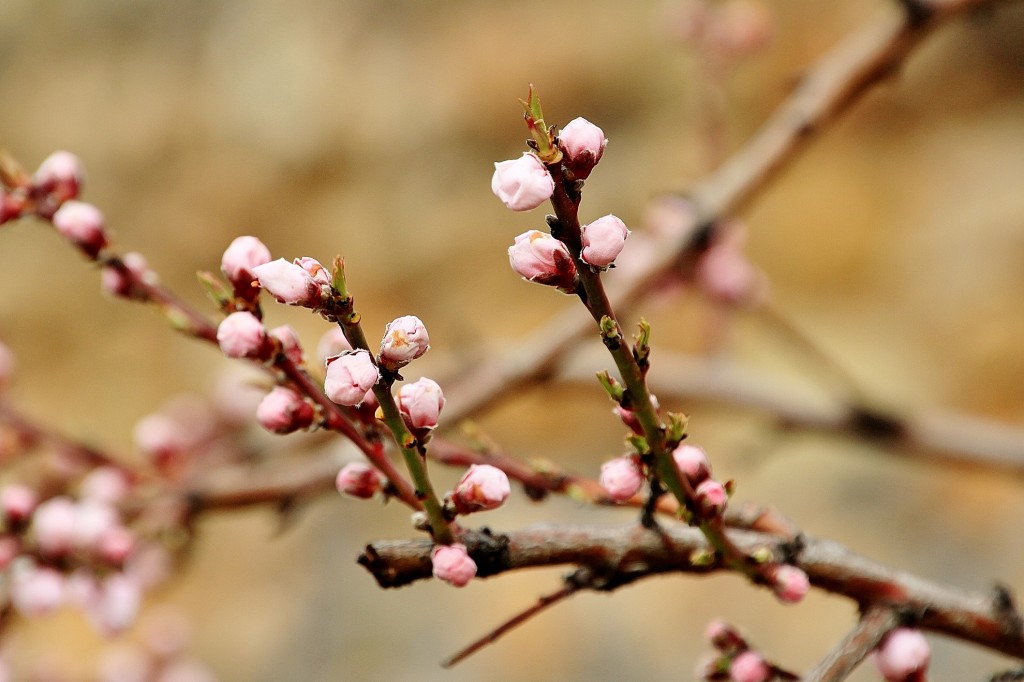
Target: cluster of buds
pixel 903 656
pixel 735 660
pixel 693 465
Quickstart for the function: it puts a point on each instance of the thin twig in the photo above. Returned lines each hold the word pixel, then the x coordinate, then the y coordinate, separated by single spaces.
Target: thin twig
pixel 855 646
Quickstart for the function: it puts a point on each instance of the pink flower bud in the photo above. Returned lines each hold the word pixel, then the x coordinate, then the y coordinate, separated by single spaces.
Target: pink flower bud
pixel 692 463
pixel 115 605
pixel 60 174
pixel 239 259
pixel 482 487
pixel 902 653
pixel 115 545
pixel 421 403
pixel 6 365
pixel 621 478
pixel 790 583
pixel 603 240
pixel 538 257
pixel 241 335
pixel 349 376
pixel 583 144
pixel 37 591
pixel 159 438
pixel 749 667
pixel 332 343
pixel 405 339
pixel 629 417
pixel 712 497
pixel 290 344
pixel 83 225
pixel 92 520
pixel 723 636
pixel 105 484
pixel 522 184
pixel 453 564
pixel 18 502
pixel 11 206
pixel 359 479
pixel 724 273
pixel 284 411
pixel 115 282
pixel 289 283
pixel 54 525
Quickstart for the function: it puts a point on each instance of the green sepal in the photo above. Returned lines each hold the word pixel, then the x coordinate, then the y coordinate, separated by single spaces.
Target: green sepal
pixel 215 290
pixel 611 386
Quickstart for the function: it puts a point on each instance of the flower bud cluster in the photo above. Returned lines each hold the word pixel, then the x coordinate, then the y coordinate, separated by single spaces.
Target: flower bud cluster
pixel 693 464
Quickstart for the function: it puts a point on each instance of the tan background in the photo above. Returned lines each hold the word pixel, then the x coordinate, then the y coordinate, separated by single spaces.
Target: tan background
pixel 369 129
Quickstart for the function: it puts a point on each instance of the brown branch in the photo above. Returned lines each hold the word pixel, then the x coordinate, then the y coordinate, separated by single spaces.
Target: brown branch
pixel 855 646
pixel 618 556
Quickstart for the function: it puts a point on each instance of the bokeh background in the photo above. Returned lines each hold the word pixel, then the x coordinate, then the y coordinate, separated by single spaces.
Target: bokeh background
pixel 368 128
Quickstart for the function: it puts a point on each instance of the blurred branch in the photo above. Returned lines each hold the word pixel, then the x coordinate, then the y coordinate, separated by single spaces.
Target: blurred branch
pixel 829 88
pixel 618 556
pixel 855 646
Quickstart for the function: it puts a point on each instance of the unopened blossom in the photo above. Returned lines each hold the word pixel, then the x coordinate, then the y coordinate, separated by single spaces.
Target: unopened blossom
pixel 538 257
pixel 60 174
pixel 160 438
pixel 92 520
pixel 582 144
pixel 603 240
pixel 349 376
pixel 522 184
pixel 790 583
pixel 903 655
pixel 18 502
pixel 37 591
pixel 83 225
pixel 359 479
pixel 105 484
pixel 712 497
pixel 242 335
pixel 115 604
pixel 116 544
pixel 692 463
pixel 420 403
pixel 481 488
pixel 332 343
pixel 284 411
pixel 629 417
pixel 290 344
pixel 405 339
pixel 54 524
pixel 452 564
pixel 240 258
pixel 289 283
pixel 621 478
pixel 725 274
pixel 114 281
pixel 749 666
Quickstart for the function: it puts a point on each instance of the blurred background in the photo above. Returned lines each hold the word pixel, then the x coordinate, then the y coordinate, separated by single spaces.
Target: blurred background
pixel 368 129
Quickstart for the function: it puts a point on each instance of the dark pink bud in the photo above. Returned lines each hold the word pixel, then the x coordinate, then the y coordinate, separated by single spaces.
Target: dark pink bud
pixel 115 545
pixel 482 487
pixel 790 583
pixel 239 259
pixel 284 411
pixel 359 479
pixel 603 240
pixel 903 655
pixel 11 206
pixel 290 344
pixel 405 339
pixel 749 667
pixel 349 376
pixel 522 184
pixel 629 417
pixel 538 257
pixel 421 403
pixel 712 497
pixel 582 144
pixel 692 463
pixel 242 335
pixel 60 174
pixel 452 564
pixel 83 225
pixel 621 478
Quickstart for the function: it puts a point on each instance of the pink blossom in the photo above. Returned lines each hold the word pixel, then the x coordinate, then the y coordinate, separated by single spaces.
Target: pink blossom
pixel 903 653
pixel 405 339
pixel 482 487
pixel 60 174
pixel 522 184
pixel 18 502
pixel 349 376
pixel 724 273
pixel 290 344
pixel 538 257
pixel 712 497
pixel 749 667
pixel 583 144
pixel 332 343
pixel 83 225
pixel 116 604
pixel 790 583
pixel 37 591
pixel 692 463
pixel 289 283
pixel 54 525
pixel 6 365
pixel 242 335
pixel 160 437
pixel 603 240
pixel 453 564
pixel 115 282
pixel 105 484
pixel 116 544
pixel 621 478
pixel 284 411
pixel 92 520
pixel 359 479
pixel 421 403
pixel 239 259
